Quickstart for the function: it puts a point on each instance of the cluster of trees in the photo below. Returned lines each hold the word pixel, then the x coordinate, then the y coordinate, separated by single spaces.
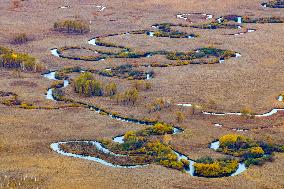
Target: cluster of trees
pixel 180 117
pixel 126 71
pixel 72 26
pixel 129 97
pixel 250 151
pixel 207 167
pixel 160 129
pixel 85 84
pixel 20 61
pixel 232 141
pixel 157 129
pixel 164 155
pixel 205 52
pixel 216 24
pixel 161 153
pixel 141 85
pixel 158 105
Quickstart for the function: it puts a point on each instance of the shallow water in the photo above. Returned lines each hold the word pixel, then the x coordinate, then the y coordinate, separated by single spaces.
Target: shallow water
pixel 49 95
pixel 185 105
pixel 239 20
pixel 119 139
pixel 240 130
pixel 184 15
pixel 92 42
pixel 220 20
pixel 151 34
pixel 215 145
pixel 251 30
pixel 56 147
pixel 50 75
pixel 267 114
pixel 101 8
pixel 241 168
pixel 54 52
pixel 218 125
pixel 238 55
pixel 65 7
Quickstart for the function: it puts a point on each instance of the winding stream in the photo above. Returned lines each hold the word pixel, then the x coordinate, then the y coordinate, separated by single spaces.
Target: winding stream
pixel 56 147
pixel 120 139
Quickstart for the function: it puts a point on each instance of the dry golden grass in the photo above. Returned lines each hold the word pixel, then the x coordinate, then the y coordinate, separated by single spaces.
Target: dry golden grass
pixel 254 80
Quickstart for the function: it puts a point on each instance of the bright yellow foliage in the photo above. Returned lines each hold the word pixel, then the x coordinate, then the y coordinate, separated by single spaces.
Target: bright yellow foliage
pixel 215 169
pixel 256 150
pixel 230 139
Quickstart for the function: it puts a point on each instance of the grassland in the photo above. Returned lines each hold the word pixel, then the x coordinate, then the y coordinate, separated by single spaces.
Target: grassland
pixel 253 81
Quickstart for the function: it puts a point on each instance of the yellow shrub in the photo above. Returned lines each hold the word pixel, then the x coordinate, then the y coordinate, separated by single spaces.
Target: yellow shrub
pixel 256 150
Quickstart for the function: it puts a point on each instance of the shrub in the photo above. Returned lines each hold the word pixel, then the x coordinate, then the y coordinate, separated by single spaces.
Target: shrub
pixel 180 117
pixel 20 39
pixel 231 140
pixel 126 71
pixel 247 112
pixel 250 151
pixel 130 135
pixel 160 129
pixel 256 151
pixel 110 89
pixel 158 105
pixel 130 96
pixel 25 105
pixel 163 155
pixel 62 74
pixel 58 94
pixel 141 85
pixel 215 168
pixel 12 102
pixel 185 162
pixel 72 26
pixel 205 159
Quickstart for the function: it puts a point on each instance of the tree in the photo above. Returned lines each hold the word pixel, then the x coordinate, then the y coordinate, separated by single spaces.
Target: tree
pixel 86 84
pixel 180 117
pixel 130 96
pixel 110 89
